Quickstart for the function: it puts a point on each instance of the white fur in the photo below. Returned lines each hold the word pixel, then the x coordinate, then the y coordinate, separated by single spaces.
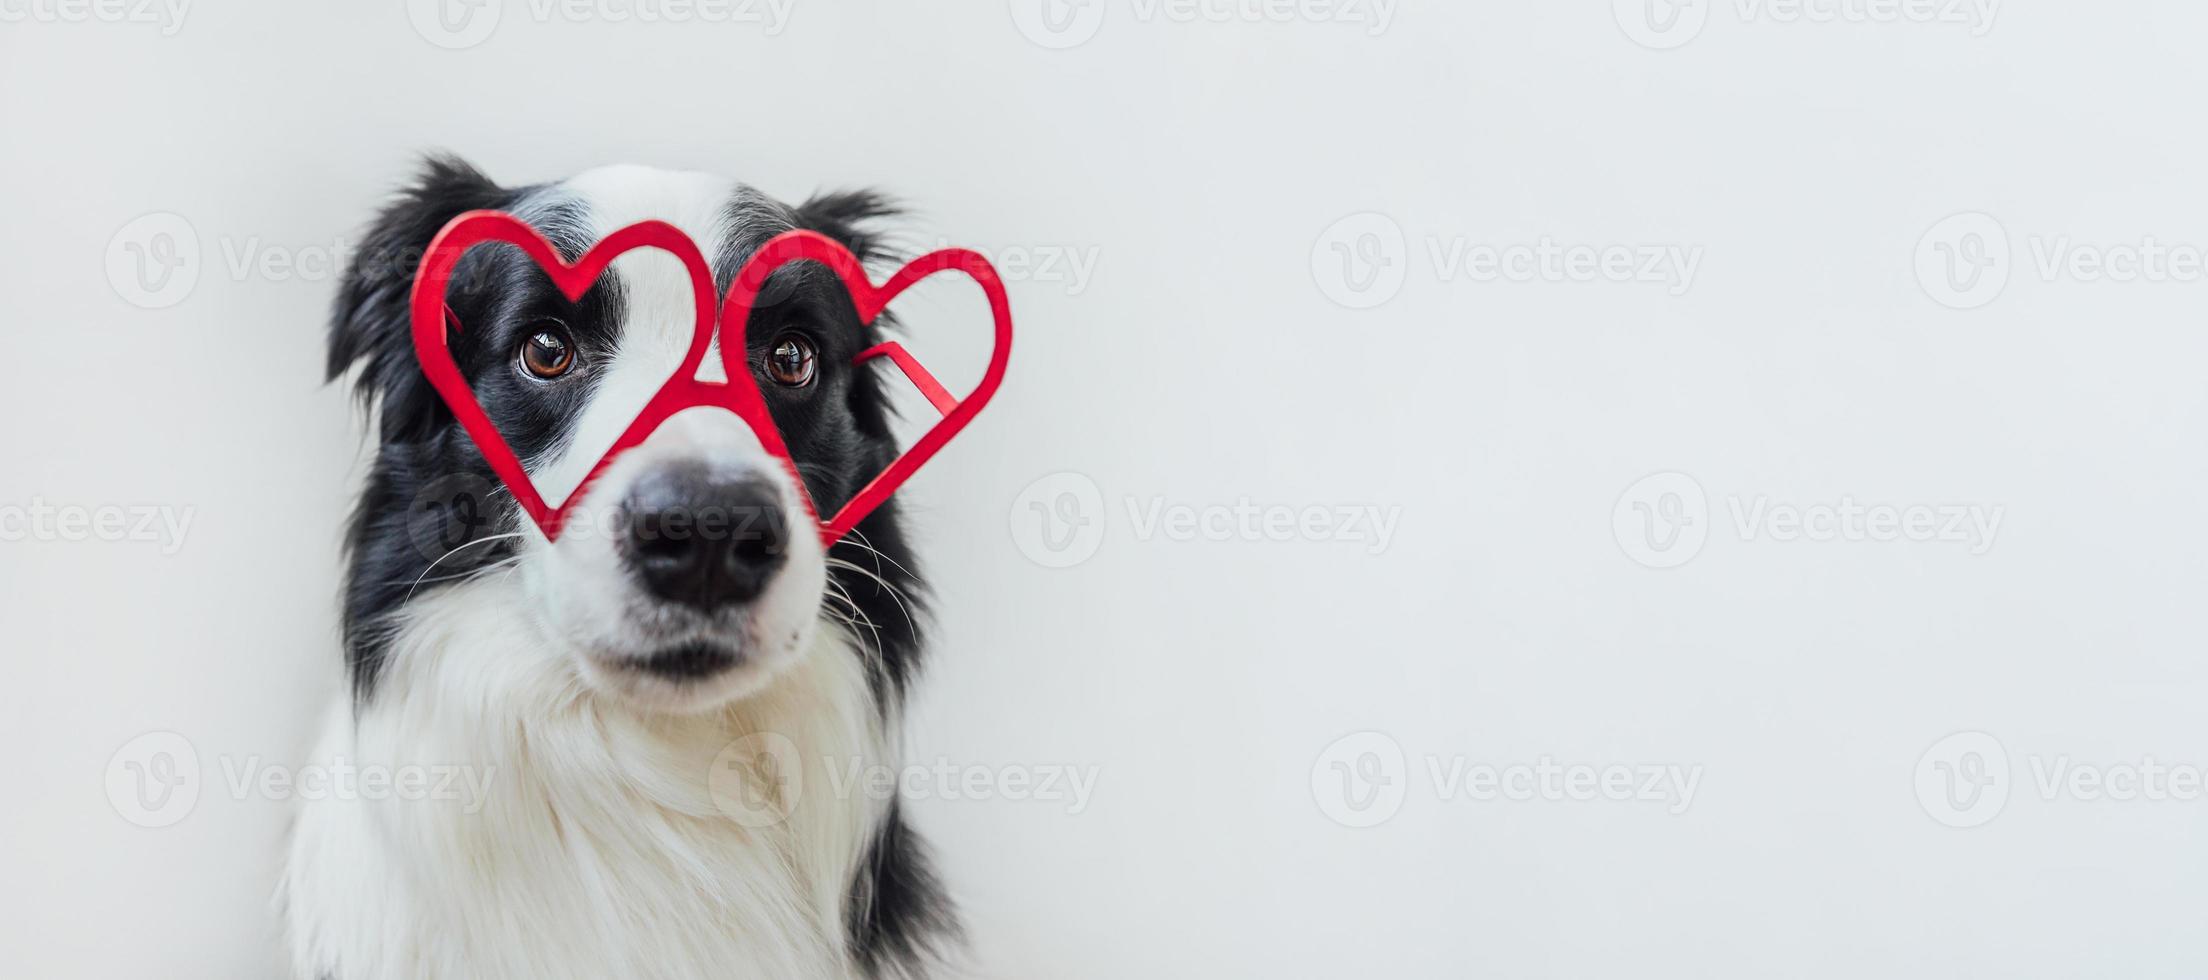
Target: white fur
pixel 624 833
pixel 613 843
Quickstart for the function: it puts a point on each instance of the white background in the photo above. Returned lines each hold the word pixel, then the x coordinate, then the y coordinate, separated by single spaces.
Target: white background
pixel 1220 351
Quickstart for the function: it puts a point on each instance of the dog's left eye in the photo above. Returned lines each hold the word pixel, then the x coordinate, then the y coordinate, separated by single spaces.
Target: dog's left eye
pixel 792 361
pixel 548 353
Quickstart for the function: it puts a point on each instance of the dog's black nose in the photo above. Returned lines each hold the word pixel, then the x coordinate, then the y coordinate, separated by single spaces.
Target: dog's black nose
pixel 702 540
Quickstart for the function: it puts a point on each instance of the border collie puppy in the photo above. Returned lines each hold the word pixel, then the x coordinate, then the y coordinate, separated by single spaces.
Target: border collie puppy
pixel 663 707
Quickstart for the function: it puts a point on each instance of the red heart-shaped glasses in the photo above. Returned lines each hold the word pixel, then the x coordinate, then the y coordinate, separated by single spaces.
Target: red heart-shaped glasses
pixel 740 393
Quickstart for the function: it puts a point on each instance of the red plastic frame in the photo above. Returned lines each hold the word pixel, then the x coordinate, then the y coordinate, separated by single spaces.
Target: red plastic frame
pixel 740 394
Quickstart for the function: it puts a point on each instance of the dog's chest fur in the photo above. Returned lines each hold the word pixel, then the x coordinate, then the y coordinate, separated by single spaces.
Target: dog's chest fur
pixel 609 844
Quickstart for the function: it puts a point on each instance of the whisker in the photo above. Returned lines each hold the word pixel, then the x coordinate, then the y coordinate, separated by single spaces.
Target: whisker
pixel 441 560
pixel 851 625
pixel 470 573
pixel 859 540
pixel 895 595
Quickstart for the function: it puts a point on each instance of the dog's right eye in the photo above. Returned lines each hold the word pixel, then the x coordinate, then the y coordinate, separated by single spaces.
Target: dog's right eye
pixel 547 352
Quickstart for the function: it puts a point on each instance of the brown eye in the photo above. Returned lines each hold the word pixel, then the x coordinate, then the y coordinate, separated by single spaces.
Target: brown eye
pixel 548 353
pixel 791 361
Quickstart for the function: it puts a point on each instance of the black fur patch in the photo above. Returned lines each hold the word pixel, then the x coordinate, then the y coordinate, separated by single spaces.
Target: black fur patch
pixel 432 507
pixel 898 916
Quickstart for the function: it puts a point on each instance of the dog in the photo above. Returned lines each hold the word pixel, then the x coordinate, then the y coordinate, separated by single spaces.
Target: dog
pixel 652 702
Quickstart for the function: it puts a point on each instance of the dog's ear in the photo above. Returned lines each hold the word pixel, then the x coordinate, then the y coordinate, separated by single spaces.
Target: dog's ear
pixel 370 325
pixel 850 217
